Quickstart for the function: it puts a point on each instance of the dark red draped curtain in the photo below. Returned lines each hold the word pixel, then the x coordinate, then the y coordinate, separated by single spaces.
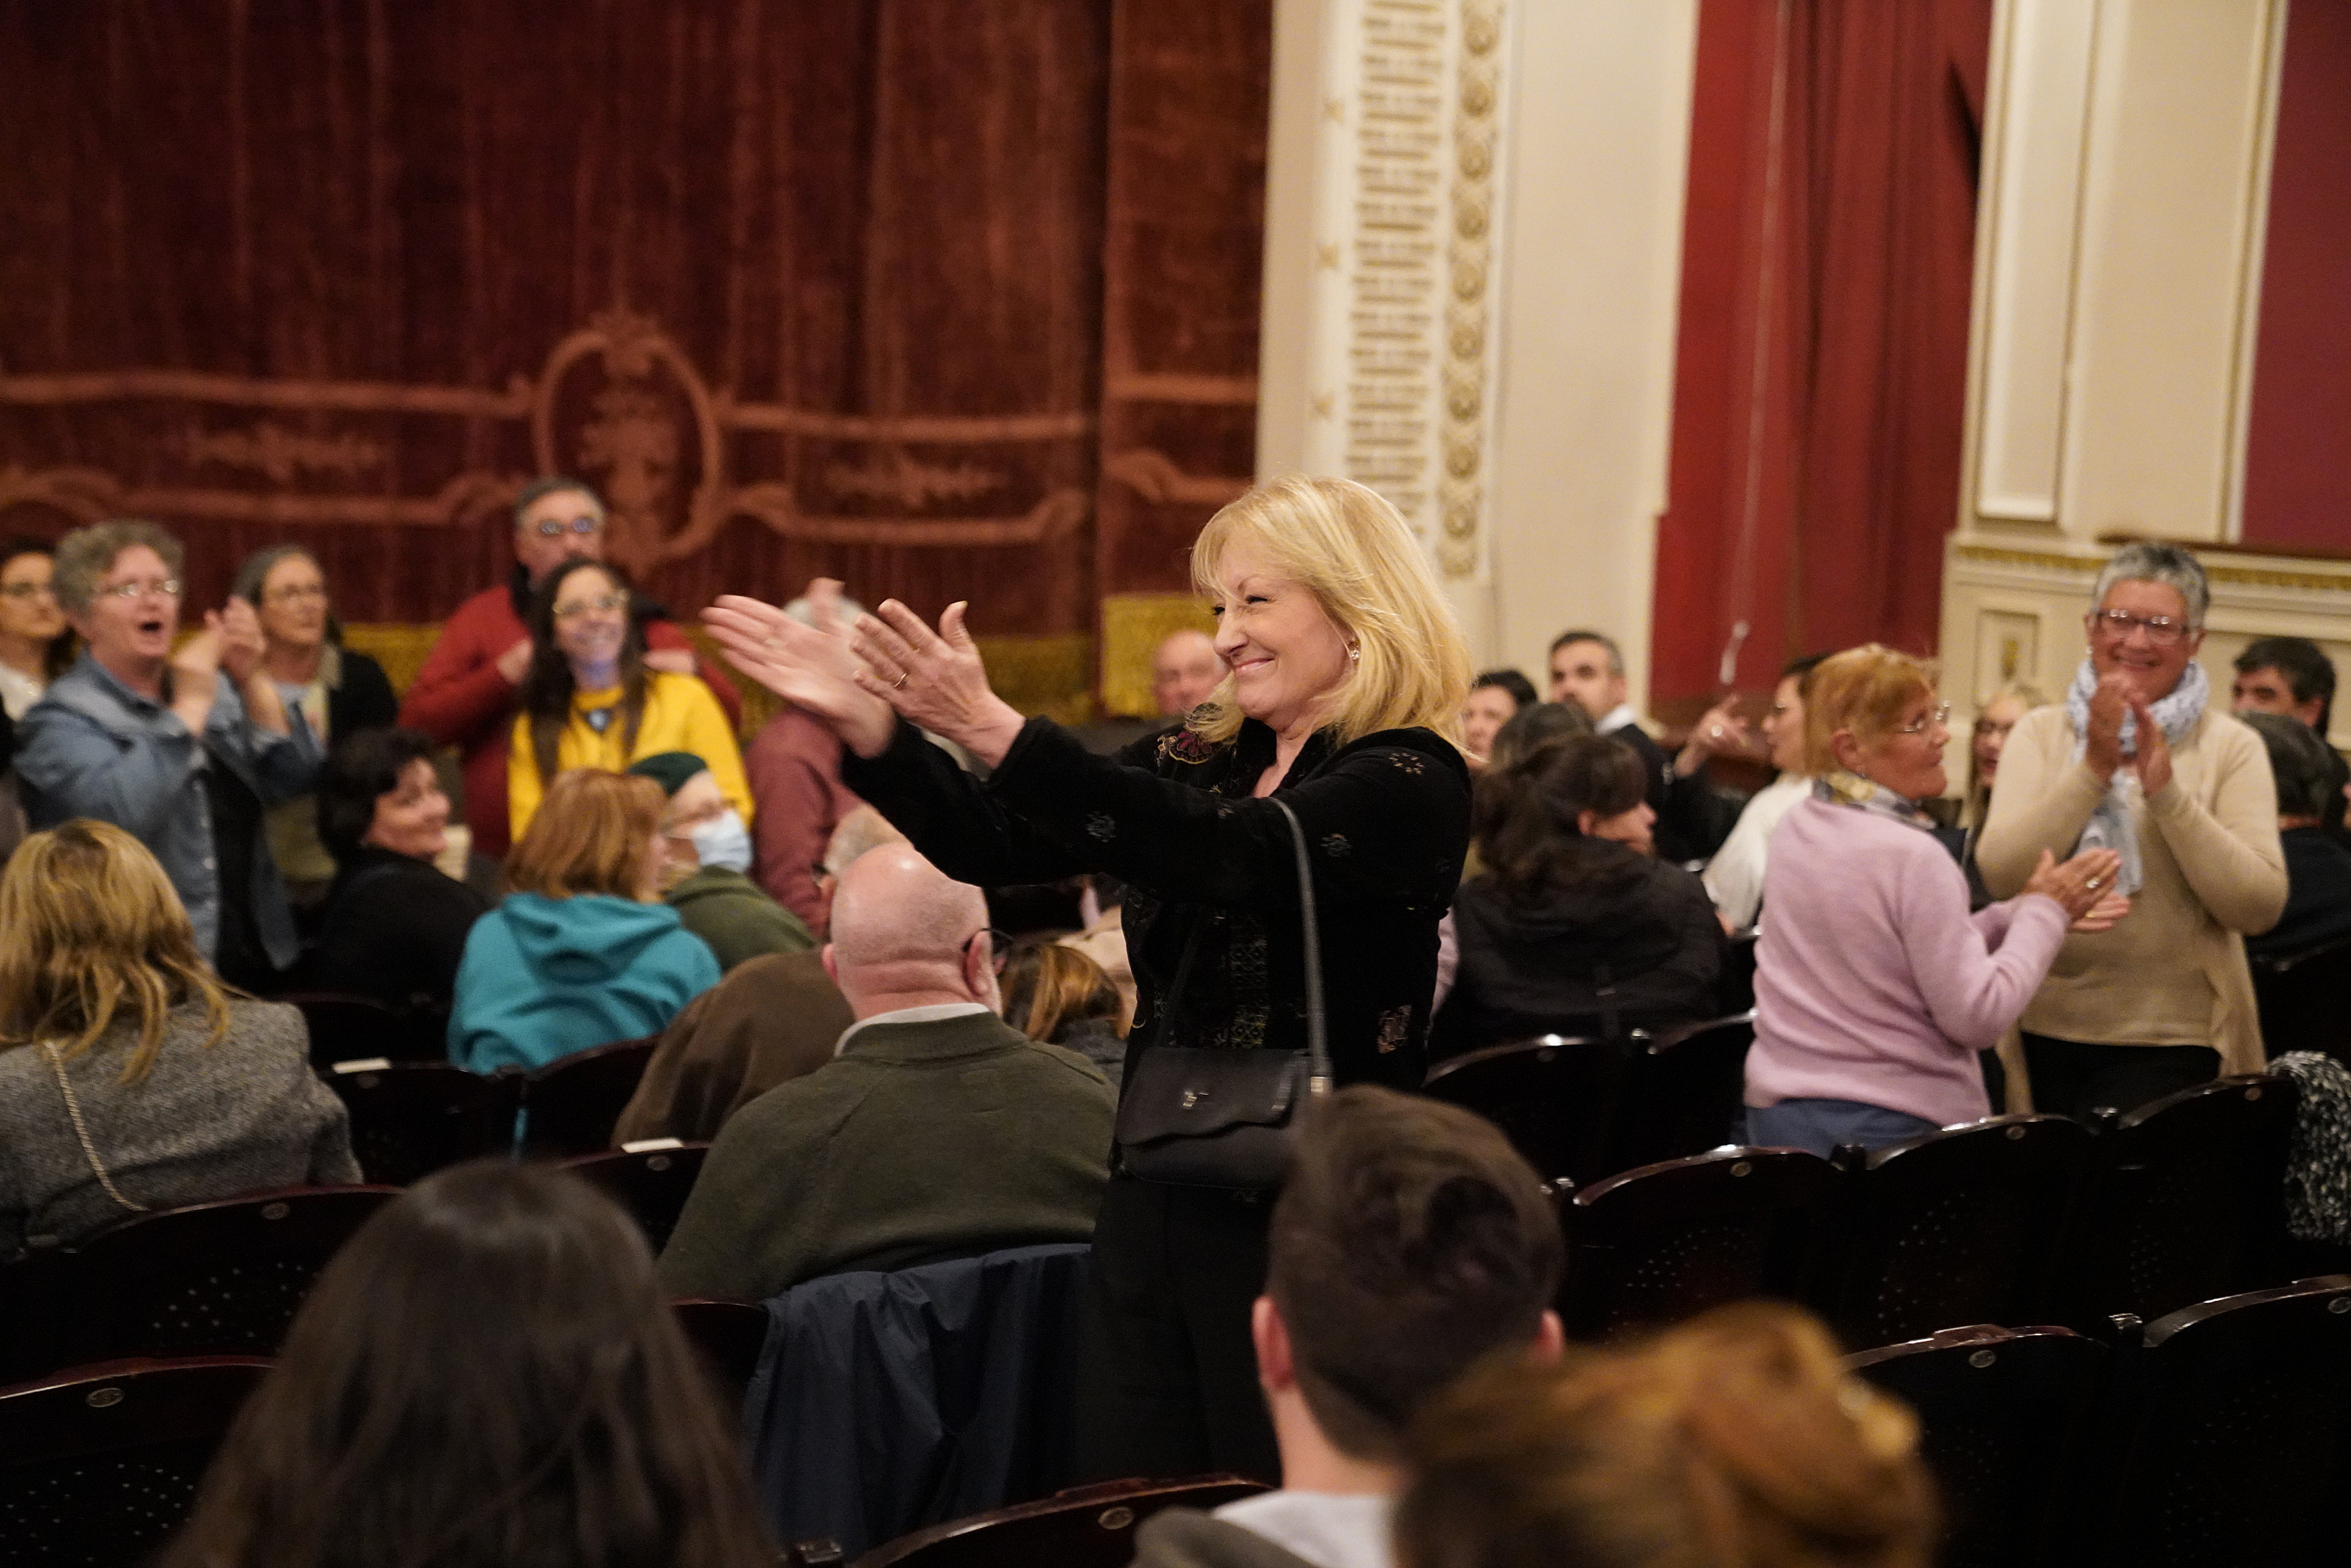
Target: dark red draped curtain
pixel 802 287
pixel 1822 362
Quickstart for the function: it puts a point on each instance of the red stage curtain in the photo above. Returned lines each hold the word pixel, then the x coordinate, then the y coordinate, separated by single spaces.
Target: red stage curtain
pixel 804 288
pixel 1822 363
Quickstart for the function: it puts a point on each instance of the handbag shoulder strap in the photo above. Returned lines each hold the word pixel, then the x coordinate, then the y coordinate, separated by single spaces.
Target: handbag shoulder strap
pixel 50 1052
pixel 1318 1044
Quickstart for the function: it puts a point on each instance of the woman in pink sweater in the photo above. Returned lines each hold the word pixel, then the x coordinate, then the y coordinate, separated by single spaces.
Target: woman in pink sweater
pixel 1875 988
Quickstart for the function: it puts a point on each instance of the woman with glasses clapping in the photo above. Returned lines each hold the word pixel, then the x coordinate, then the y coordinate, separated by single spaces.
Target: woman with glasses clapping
pixel 336 692
pixel 1874 988
pixel 2138 760
pixel 589 699
pixel 183 750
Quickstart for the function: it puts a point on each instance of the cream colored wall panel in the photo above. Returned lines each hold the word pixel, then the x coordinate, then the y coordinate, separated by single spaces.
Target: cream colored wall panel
pixel 1994 592
pixel 1473 245
pixel 2179 109
pixel 2033 187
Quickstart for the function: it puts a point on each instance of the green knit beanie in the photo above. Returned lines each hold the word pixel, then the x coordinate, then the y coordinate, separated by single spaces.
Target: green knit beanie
pixel 669 769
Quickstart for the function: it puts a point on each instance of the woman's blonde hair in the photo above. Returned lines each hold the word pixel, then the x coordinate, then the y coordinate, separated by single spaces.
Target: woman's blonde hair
pixel 592 834
pixel 1735 1437
pixel 1862 690
pixel 95 933
pixel 1357 554
pixel 2025 695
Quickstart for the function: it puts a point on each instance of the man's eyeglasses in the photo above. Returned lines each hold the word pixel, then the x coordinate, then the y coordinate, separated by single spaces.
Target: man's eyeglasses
pixel 297 593
pixel 1940 713
pixel 999 947
pixel 556 528
pixel 30 590
pixel 602 604
pixel 2116 624
pixel 169 586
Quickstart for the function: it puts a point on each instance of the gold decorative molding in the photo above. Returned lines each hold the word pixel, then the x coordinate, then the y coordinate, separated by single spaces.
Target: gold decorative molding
pixel 1133 627
pixel 618 402
pixel 2216 571
pixel 1419 370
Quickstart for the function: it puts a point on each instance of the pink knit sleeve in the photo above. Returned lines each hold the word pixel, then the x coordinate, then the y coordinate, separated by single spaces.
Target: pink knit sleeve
pixel 1976 976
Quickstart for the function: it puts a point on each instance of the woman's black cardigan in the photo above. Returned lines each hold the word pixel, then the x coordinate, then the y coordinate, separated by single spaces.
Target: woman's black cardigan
pixel 1386 820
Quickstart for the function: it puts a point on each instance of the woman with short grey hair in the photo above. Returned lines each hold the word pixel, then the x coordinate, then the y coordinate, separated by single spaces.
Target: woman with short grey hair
pixel 2138 760
pixel 183 746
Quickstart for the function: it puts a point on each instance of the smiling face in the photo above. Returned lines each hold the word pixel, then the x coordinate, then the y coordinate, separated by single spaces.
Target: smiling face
pixel 1907 759
pixel 2151 668
pixel 1285 651
pixel 564 511
pixel 413 818
pixel 28 608
pixel 1483 717
pixel 1784 727
pixel 293 607
pixel 132 635
pixel 1582 674
pixel 592 620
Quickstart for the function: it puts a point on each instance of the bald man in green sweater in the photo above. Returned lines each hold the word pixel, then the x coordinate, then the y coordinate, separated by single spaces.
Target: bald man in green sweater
pixel 937 1130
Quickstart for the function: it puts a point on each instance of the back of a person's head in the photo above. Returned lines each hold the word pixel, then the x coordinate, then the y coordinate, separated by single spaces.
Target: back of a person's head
pixel 1737 1437
pixel 861 828
pixel 2299 763
pixel 1410 1241
pixel 893 907
pixel 1049 987
pixel 1534 724
pixel 594 833
pixel 487 1375
pixel 1526 818
pixel 95 932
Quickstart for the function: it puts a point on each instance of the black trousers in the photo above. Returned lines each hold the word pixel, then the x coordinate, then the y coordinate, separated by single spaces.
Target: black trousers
pixel 1167 1369
pixel 2072 1079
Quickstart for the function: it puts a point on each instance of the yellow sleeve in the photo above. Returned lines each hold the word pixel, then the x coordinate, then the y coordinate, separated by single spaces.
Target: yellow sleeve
pixel 713 740
pixel 523 787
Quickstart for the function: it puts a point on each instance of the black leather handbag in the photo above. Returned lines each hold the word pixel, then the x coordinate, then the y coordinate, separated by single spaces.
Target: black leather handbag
pixel 1217 1116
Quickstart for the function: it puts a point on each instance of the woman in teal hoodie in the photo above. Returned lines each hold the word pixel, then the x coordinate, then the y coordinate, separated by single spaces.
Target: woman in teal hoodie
pixel 582 953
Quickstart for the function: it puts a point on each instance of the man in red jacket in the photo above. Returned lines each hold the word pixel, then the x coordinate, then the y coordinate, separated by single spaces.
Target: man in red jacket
pixel 465 695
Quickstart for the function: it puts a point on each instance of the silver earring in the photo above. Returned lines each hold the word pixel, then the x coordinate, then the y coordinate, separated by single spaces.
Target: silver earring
pixel 1353 652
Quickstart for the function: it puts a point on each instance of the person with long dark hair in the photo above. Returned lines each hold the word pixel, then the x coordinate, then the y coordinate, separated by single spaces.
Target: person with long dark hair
pixel 487 1375
pixel 36 643
pixel 1344 696
pixel 591 700
pixel 337 690
pixel 1573 925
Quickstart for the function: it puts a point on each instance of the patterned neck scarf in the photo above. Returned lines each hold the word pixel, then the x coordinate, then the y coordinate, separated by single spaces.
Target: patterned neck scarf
pixel 2110 827
pixel 1839 787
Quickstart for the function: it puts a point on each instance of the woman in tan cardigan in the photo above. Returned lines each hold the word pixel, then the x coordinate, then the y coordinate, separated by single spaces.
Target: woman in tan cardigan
pixel 2136 760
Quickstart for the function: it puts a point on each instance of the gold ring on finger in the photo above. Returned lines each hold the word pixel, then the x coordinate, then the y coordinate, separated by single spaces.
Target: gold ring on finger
pixel 899 682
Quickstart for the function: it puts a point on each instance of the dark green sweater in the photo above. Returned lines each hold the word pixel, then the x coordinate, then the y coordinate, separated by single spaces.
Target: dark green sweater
pixel 920 1139
pixel 735 915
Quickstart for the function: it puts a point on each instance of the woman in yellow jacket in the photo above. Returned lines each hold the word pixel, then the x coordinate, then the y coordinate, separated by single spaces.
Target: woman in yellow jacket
pixel 589 701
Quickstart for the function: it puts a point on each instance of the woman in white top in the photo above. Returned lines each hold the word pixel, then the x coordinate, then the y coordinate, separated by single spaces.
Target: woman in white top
pixel 35 646
pixel 1734 877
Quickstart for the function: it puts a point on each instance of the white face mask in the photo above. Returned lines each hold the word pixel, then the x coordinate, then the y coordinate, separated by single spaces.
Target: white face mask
pixel 724 842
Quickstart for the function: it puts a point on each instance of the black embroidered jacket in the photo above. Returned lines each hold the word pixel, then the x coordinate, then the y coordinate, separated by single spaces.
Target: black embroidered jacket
pixel 1386 820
